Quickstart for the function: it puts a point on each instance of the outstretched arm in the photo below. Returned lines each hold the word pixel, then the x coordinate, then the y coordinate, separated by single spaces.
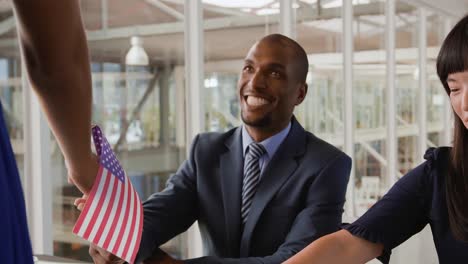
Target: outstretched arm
pixel 53 45
pixel 401 213
pixel 340 247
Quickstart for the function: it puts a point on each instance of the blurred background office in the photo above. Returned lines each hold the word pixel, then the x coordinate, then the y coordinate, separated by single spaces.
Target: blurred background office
pixel 165 70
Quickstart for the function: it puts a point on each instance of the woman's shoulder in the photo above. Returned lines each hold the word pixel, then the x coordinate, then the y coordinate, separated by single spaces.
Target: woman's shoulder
pixel 437 158
pixel 429 173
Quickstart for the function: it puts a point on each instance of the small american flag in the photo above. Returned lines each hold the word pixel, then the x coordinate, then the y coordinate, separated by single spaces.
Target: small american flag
pixel 112 217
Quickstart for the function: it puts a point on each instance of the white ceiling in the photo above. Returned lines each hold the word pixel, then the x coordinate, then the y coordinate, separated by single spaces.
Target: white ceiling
pixel 457 8
pixel 317 33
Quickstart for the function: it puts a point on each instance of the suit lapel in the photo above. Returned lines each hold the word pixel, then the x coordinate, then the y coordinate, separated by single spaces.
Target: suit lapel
pixel 231 177
pixel 279 169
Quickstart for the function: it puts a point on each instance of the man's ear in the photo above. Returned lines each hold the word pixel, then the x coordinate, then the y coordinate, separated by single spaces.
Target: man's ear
pixel 302 93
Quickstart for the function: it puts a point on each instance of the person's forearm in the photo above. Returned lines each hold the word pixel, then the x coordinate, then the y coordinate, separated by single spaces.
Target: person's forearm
pixel 54 50
pixel 338 248
pixel 324 250
pixel 248 260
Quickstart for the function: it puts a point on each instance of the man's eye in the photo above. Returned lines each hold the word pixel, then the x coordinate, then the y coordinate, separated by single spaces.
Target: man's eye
pixel 247 68
pixel 275 74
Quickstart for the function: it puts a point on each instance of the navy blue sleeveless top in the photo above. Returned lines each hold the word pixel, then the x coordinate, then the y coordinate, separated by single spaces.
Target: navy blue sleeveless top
pixel 15 246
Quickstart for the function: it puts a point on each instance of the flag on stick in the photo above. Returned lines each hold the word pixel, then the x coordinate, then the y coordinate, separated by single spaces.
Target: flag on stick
pixel 112 217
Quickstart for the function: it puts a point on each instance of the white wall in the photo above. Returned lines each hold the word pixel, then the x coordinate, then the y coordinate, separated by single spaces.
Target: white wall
pixel 419 249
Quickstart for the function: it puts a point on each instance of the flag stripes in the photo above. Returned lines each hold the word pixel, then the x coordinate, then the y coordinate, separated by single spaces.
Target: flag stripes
pixel 112 217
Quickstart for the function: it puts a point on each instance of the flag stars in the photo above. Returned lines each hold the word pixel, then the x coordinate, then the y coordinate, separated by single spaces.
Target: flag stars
pixel 106 155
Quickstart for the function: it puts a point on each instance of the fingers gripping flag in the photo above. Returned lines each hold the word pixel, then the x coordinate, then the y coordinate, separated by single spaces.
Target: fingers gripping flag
pixel 112 217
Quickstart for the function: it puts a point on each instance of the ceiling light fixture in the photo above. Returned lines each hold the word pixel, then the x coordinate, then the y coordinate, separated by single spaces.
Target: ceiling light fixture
pixel 136 56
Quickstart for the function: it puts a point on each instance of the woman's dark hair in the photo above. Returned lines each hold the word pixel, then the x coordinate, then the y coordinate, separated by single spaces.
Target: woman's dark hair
pixel 453 58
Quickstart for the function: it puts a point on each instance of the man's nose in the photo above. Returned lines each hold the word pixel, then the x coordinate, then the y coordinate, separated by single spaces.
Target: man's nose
pixel 258 80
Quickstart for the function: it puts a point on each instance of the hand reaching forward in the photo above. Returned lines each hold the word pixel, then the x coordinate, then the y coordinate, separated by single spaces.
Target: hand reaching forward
pixel 100 256
pixel 161 257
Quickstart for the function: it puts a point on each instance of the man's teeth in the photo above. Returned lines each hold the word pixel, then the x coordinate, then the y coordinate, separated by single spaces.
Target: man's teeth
pixel 256 101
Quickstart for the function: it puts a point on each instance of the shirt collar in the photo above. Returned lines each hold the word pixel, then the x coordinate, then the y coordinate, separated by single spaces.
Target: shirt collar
pixel 271 144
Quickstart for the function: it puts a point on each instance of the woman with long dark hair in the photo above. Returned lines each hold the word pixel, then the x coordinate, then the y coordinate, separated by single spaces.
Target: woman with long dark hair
pixel 434 193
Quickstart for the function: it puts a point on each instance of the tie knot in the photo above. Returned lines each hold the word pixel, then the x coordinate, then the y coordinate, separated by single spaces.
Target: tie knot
pixel 256 150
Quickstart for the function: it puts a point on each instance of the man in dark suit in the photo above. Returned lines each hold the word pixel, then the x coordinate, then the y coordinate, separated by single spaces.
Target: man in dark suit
pixel 260 192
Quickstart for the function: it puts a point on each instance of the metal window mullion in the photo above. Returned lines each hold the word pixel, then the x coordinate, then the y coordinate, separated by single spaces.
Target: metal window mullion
pixel 104 14
pixel 194 76
pixel 422 106
pixel 448 113
pixel 180 112
pixel 392 140
pixel 164 104
pixel 194 73
pixel 38 180
pixel 348 92
pixel 286 18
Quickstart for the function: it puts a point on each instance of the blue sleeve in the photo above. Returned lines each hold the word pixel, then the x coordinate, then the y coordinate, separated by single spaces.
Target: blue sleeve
pixel 14 243
pixel 400 214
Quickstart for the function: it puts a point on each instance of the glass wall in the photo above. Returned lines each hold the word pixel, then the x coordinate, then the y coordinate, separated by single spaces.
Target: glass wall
pixel 319 31
pixel 407 85
pixel 11 87
pixel 142 108
pixel 134 105
pixel 224 53
pixel 11 98
pixel 369 102
pixel 437 99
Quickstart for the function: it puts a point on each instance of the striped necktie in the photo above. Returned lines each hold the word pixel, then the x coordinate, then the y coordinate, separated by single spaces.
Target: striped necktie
pixel 251 177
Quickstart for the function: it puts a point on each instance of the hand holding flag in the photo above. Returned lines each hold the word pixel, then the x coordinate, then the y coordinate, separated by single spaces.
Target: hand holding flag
pixel 112 217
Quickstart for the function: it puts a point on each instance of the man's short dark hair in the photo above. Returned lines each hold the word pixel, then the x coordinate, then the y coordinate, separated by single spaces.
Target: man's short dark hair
pixel 299 52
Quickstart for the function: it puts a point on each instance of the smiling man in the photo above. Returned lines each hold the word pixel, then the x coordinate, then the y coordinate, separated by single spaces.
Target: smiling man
pixel 260 192
pixel 271 84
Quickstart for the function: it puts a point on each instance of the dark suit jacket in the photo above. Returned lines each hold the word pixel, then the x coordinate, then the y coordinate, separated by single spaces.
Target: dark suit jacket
pixel 300 198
